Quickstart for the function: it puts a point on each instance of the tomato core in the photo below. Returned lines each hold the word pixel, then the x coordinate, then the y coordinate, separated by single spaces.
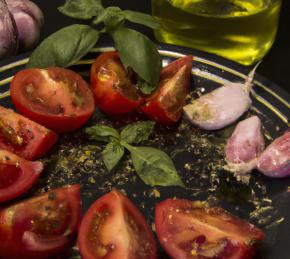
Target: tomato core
pixel 94 237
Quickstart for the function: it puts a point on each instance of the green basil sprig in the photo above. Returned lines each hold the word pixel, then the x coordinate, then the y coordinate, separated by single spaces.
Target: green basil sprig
pixel 64 47
pixel 82 9
pixel 68 45
pixel 152 165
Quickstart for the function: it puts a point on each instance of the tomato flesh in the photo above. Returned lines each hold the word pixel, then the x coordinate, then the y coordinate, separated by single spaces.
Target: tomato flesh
pixel 41 226
pixel 113 89
pixel 165 105
pixel 55 97
pixel 24 137
pixel 189 229
pixel 17 175
pixel 114 228
pixel 8 175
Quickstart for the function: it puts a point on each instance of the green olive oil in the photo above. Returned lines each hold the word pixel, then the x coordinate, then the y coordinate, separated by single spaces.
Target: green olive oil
pixel 240 30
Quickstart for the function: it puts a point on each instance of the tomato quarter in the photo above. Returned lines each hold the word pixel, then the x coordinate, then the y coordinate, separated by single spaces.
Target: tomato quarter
pixel 23 136
pixel 17 175
pixel 114 228
pixel 188 229
pixel 165 105
pixel 113 89
pixel 56 98
pixel 41 226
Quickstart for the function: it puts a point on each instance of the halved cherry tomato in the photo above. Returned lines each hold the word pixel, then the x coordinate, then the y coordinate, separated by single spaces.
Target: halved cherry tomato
pixel 113 89
pixel 17 175
pixel 24 137
pixel 188 229
pixel 114 228
pixel 41 226
pixel 165 105
pixel 57 98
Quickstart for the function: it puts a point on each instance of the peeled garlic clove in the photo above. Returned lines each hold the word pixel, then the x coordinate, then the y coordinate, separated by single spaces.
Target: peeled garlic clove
pixel 245 145
pixel 29 20
pixel 219 108
pixel 8 32
pixel 275 160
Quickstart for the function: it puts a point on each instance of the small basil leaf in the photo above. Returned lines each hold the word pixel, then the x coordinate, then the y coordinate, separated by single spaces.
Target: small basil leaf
pixel 64 47
pixel 141 18
pixel 144 87
pixel 139 53
pixel 137 132
pixel 112 154
pixel 102 133
pixel 154 166
pixel 111 17
pixel 81 9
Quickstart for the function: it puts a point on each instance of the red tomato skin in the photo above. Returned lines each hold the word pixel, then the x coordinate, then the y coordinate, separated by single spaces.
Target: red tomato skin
pixel 67 121
pixel 174 81
pixel 240 244
pixel 108 98
pixel 28 175
pixel 117 204
pixel 37 139
pixel 18 233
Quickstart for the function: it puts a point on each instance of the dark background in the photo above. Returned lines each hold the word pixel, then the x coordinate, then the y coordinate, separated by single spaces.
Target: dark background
pixel 276 65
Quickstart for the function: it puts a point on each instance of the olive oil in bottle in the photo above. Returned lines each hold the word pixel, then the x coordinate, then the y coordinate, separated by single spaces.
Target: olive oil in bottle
pixel 240 30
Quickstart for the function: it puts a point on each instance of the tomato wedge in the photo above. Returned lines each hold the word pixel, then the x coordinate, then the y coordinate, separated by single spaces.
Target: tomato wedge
pixel 56 98
pixel 165 105
pixel 41 226
pixel 188 229
pixel 17 175
pixel 24 137
pixel 113 89
pixel 114 228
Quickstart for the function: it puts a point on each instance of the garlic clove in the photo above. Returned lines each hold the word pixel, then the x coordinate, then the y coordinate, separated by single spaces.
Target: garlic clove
pixel 219 108
pixel 275 160
pixel 244 147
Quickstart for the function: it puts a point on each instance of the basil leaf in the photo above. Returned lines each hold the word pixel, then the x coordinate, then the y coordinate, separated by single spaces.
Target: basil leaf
pixel 81 9
pixel 64 47
pixel 139 53
pixel 137 132
pixel 154 166
pixel 144 87
pixel 141 18
pixel 102 133
pixel 111 17
pixel 112 154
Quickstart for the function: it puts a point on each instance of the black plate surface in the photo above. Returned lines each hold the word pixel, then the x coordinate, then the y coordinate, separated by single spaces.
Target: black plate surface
pixel 197 154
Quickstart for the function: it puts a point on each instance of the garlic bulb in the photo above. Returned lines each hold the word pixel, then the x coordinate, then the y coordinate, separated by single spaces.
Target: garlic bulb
pixel 8 32
pixel 20 24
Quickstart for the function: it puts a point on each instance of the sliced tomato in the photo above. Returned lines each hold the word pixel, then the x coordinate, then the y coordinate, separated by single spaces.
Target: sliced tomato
pixel 114 228
pixel 24 137
pixel 57 98
pixel 113 89
pixel 17 175
pixel 165 105
pixel 41 226
pixel 188 229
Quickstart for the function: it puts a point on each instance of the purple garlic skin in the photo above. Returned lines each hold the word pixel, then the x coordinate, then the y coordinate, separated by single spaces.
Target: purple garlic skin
pixel 29 20
pixel 245 146
pixel 221 107
pixel 275 160
pixel 8 32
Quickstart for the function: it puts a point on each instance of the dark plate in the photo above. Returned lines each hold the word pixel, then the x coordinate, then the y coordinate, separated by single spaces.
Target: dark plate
pixel 197 154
